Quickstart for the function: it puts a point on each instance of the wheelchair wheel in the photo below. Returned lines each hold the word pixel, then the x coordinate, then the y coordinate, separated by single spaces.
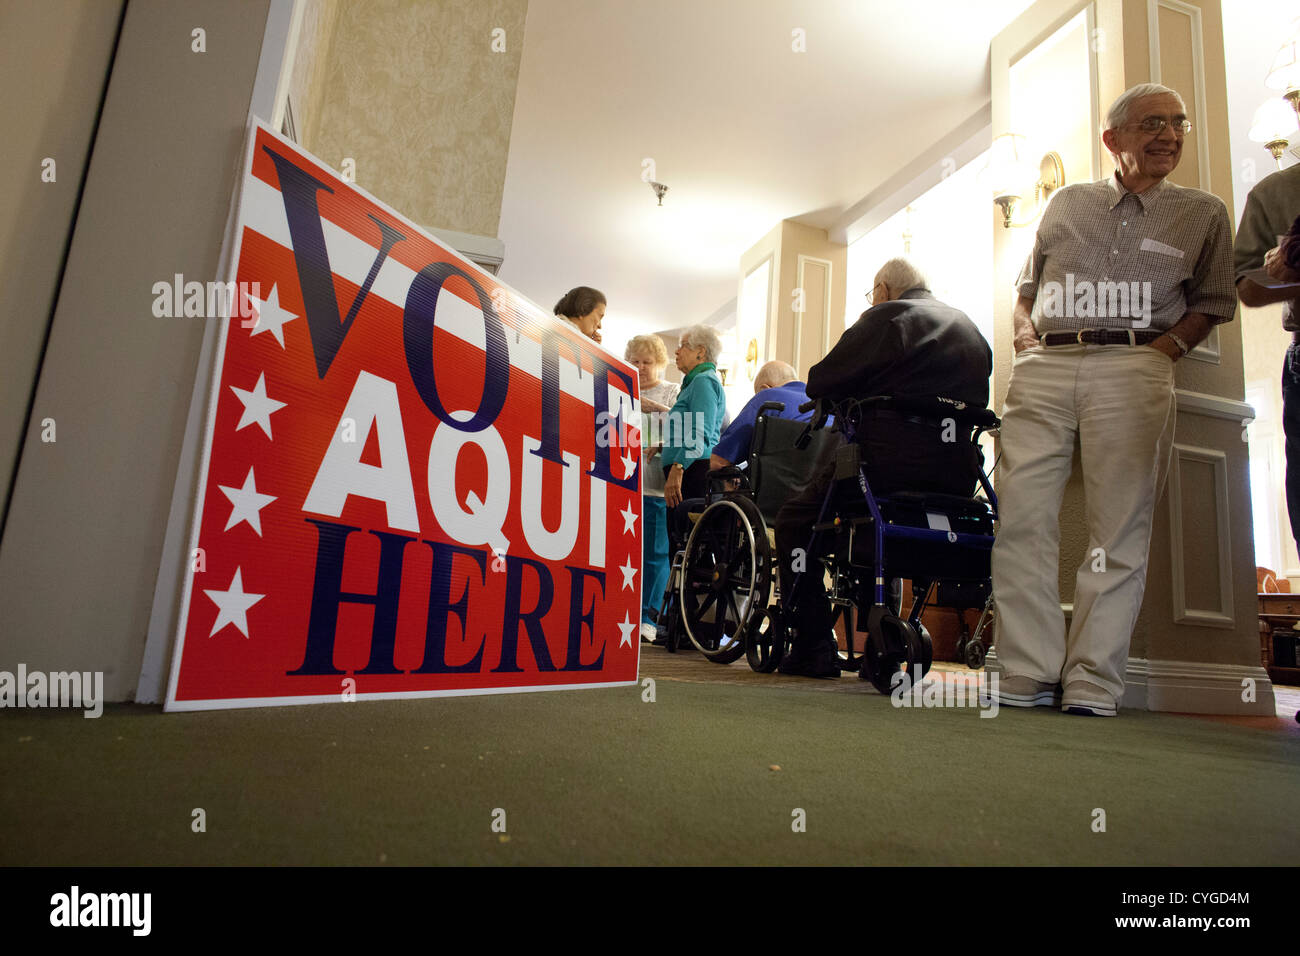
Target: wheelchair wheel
pixel 765 641
pixel 726 578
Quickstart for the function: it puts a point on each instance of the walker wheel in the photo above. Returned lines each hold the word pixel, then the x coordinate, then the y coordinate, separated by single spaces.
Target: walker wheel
pixel 974 655
pixel 879 665
pixel 926 657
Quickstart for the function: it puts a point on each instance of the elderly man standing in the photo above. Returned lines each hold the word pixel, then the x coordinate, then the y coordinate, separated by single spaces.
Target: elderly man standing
pixel 1126 276
pixel 1271 209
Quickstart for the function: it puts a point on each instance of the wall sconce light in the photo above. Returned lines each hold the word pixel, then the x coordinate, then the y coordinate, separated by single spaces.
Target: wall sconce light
pixel 1010 176
pixel 726 364
pixel 751 359
pixel 1284 72
pixel 1273 124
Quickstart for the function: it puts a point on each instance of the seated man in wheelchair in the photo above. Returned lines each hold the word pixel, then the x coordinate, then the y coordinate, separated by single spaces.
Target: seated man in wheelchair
pixel 777 382
pixel 907 345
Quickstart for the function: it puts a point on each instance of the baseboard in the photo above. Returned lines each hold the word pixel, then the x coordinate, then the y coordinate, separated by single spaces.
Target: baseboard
pixel 1193 687
pixel 1190 687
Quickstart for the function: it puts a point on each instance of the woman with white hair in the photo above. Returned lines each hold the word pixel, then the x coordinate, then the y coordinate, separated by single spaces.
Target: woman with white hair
pixel 648 354
pixel 694 422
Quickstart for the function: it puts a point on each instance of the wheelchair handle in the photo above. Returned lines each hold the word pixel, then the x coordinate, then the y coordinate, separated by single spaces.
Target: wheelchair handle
pixel 823 408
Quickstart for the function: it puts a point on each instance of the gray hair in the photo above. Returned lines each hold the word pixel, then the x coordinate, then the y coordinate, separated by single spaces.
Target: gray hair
pixel 1118 114
pixel 900 275
pixel 774 373
pixel 704 337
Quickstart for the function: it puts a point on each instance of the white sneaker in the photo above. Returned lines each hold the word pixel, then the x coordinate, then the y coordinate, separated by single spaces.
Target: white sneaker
pixel 647 632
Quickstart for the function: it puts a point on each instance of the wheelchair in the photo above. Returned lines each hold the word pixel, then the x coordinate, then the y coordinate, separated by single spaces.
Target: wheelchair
pixel 722 580
pixel 723 573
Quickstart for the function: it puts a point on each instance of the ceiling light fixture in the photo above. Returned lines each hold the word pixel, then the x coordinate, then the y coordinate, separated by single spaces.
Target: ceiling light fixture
pixel 659 189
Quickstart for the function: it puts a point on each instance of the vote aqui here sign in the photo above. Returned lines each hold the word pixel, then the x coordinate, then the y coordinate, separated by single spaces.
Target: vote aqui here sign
pixel 414 483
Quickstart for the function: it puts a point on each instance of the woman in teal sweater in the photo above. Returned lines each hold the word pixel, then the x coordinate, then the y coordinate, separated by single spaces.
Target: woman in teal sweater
pixel 695 420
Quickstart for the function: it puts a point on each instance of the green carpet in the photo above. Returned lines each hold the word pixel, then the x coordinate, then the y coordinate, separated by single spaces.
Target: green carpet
pixel 601 777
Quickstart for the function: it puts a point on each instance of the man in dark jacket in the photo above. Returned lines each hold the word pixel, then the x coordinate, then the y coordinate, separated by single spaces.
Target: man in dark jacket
pixel 907 345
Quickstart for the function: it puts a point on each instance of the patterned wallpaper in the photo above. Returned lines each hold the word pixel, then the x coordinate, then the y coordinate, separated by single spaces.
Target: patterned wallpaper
pixel 416 95
pixel 307 82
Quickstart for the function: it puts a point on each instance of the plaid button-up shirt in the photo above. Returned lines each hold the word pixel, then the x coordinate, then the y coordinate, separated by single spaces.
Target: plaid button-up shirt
pixel 1105 257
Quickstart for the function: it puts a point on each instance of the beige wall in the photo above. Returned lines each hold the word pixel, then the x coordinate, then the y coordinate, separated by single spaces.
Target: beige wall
pixel 421 75
pixel 80 553
pixel 1264 342
pixel 800 339
pixel 1196 635
pixel 54 60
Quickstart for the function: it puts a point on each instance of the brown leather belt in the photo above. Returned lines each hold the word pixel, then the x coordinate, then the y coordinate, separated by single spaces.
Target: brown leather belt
pixel 1101 337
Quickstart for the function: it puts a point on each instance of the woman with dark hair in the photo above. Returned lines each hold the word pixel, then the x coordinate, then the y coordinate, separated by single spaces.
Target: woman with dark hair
pixel 584 307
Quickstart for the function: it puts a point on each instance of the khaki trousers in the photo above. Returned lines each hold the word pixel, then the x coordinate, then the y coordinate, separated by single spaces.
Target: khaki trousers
pixel 1119 401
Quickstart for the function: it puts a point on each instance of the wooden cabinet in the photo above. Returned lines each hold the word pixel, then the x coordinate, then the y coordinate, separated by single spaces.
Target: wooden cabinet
pixel 1277 611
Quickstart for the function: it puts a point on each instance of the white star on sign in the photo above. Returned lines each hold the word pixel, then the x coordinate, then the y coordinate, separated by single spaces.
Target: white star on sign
pixel 627 627
pixel 233 605
pixel 629 573
pixel 270 316
pixel 629 466
pixel 247 504
pixel 629 520
pixel 257 407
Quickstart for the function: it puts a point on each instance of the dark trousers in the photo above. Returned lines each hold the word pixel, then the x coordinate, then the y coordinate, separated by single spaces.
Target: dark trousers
pixel 695 484
pixel 899 455
pixel 1291 428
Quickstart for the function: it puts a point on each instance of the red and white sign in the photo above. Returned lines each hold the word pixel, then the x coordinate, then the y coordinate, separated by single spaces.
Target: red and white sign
pixel 414 482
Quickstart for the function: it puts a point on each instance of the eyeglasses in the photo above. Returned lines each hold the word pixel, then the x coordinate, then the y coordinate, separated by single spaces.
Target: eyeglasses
pixel 1156 124
pixel 871 296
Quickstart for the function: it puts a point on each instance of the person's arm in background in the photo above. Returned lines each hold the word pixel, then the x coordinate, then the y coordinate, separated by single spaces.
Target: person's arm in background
pixel 1256 296
pixel 1256 239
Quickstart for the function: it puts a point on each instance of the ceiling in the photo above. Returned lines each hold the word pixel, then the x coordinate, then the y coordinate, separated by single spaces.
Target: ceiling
pixel 744 130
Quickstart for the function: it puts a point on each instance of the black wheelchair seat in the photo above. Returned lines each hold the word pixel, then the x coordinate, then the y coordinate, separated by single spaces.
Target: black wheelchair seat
pixel 777 470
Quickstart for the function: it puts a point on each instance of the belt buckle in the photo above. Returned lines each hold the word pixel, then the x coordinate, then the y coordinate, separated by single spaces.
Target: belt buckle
pixel 1078 337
